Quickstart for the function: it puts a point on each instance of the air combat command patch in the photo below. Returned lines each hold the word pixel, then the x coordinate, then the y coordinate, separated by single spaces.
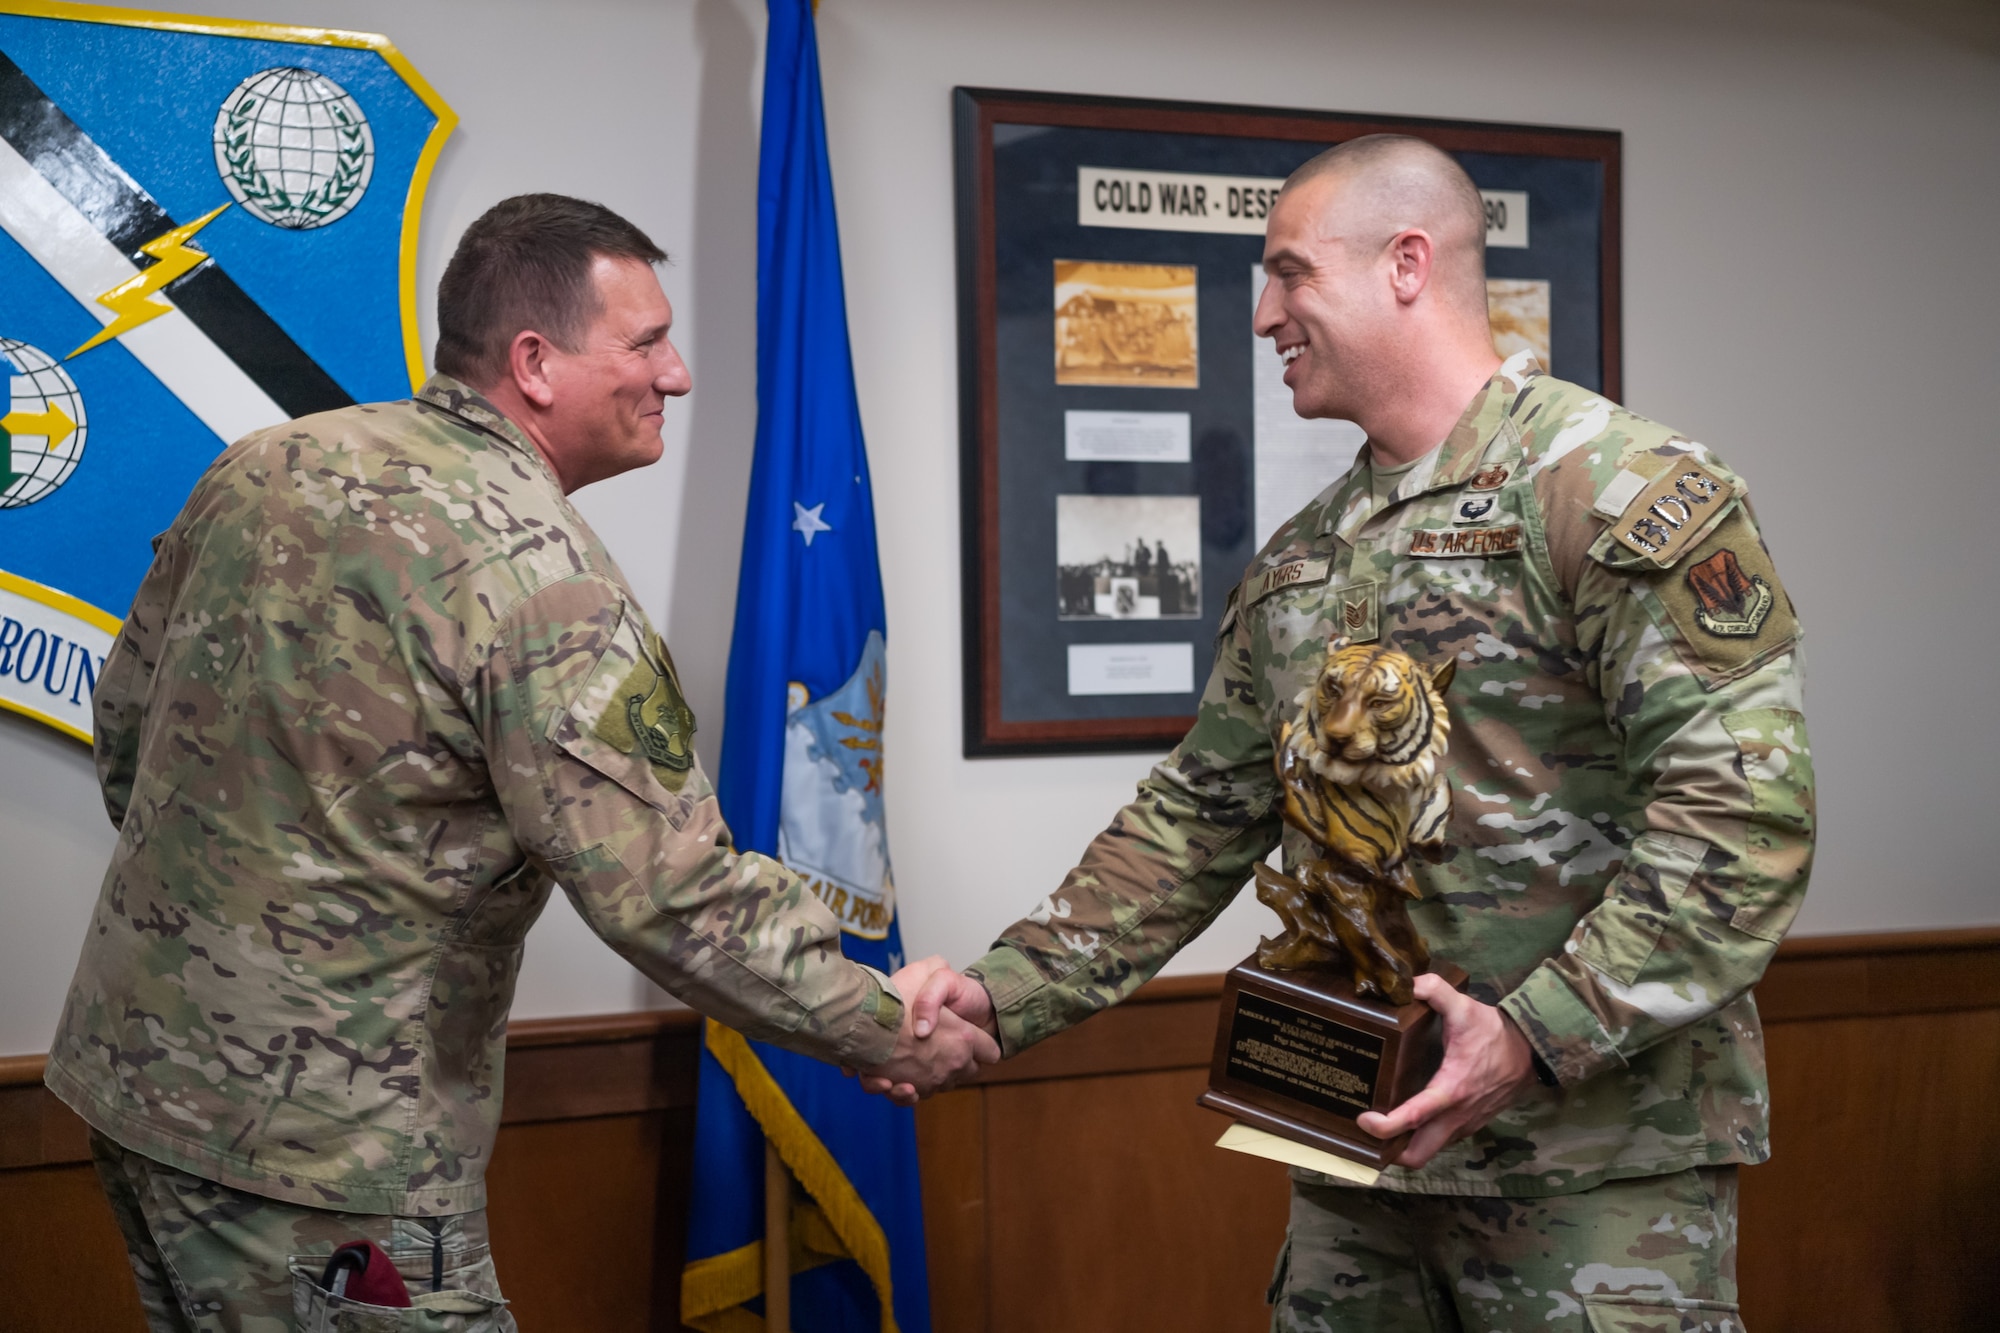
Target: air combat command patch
pixel 1728 609
pixel 648 714
pixel 1732 604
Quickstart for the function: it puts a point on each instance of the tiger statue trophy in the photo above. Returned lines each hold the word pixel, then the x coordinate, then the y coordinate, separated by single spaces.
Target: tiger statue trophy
pixel 1361 776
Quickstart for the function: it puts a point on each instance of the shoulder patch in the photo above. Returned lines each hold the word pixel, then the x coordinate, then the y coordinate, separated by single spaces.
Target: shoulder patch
pixel 1728 608
pixel 648 713
pixel 1670 513
pixel 1291 574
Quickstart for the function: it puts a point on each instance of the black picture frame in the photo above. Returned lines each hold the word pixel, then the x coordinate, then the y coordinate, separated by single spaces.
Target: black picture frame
pixel 1019 159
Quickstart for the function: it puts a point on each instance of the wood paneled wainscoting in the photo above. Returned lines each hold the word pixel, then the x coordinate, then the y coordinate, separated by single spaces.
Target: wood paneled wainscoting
pixel 1076 1186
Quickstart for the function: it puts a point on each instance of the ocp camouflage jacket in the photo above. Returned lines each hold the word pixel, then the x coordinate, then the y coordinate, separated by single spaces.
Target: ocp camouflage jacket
pixel 1633 808
pixel 381 689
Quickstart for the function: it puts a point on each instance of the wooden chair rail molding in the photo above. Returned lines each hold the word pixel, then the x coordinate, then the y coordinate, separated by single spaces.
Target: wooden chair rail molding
pixel 1079 1176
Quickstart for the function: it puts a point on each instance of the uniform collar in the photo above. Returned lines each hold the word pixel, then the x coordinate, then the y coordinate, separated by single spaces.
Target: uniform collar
pixel 1484 418
pixel 477 411
pixel 1453 462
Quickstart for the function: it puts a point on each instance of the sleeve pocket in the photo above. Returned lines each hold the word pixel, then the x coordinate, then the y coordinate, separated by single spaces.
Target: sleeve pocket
pixel 1648 891
pixel 1776 763
pixel 630 723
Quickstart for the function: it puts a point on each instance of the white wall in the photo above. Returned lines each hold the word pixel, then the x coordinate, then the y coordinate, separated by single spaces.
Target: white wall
pixel 1810 193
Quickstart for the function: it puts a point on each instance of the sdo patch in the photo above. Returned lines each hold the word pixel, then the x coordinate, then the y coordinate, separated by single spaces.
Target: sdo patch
pixel 1672 511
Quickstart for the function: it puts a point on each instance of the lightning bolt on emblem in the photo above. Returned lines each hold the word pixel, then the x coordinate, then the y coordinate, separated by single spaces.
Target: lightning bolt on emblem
pixel 135 301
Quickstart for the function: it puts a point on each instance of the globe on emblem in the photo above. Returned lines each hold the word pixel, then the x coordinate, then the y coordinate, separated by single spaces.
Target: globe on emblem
pixel 294 148
pixel 43 429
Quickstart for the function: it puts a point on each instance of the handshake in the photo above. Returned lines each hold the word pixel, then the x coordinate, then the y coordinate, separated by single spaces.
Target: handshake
pixel 948 1034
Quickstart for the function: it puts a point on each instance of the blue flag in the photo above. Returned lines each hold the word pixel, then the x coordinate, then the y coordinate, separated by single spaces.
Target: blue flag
pixel 801 776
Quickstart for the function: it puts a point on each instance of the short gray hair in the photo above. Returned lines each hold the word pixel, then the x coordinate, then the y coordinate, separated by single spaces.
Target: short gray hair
pixel 525 264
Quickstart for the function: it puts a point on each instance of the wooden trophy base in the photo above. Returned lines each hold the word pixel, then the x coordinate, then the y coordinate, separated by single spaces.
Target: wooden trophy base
pixel 1299 1055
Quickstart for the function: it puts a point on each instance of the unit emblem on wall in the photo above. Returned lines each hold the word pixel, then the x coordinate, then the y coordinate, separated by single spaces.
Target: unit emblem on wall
pixel 206 228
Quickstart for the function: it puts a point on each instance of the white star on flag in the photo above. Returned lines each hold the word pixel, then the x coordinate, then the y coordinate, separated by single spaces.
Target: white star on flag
pixel 808 521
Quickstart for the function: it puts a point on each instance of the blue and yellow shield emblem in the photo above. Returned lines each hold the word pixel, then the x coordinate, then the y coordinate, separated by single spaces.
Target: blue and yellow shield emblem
pixel 206 228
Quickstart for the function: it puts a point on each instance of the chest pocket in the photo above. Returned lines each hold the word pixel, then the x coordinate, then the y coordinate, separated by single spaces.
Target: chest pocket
pixel 1295 611
pixel 1469 547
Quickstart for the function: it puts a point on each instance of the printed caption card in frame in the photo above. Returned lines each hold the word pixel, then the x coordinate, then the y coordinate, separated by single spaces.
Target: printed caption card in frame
pixel 1126 443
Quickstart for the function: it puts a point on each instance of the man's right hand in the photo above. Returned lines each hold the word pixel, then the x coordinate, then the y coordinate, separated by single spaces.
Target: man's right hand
pixel 947 991
pixel 949 1015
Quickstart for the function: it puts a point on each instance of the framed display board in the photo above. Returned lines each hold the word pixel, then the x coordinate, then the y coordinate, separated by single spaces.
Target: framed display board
pixel 1127 444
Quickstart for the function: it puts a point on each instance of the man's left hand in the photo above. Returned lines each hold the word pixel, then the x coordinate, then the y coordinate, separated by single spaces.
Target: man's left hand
pixel 1487 1065
pixel 936 1047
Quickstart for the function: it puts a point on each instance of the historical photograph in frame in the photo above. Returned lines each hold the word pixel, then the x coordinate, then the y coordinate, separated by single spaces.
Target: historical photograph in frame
pixel 1126 324
pixel 1126 442
pixel 1128 557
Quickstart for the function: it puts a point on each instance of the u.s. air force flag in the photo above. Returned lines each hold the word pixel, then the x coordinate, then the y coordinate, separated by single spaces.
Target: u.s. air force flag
pixel 802 775
pixel 206 227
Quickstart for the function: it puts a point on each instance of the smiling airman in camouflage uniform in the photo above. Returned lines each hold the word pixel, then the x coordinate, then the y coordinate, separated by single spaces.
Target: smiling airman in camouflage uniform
pixel 381 690
pixel 410 693
pixel 1632 820
pixel 1631 833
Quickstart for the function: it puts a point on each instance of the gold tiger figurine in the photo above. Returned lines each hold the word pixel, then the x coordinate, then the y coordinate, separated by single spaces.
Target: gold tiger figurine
pixel 1361 775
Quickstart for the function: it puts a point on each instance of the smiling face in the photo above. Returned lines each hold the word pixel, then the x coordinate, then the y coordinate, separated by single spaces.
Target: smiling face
pixel 608 397
pixel 1328 304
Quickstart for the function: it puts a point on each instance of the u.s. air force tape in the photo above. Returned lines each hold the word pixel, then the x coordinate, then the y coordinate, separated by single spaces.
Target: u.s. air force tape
pixel 1465 543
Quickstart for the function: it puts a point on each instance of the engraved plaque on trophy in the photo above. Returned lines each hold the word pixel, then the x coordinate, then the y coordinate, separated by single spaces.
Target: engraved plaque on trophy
pixel 1299 1056
pixel 1321 1024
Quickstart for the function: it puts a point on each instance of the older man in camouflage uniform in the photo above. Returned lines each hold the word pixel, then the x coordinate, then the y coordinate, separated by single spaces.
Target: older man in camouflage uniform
pixel 1632 823
pixel 381 690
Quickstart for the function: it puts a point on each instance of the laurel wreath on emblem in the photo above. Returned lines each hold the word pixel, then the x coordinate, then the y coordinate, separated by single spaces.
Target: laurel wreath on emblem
pixel 259 191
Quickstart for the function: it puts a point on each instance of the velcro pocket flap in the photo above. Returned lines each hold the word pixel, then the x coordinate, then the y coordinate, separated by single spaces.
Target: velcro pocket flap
pixel 1647 891
pixel 630 721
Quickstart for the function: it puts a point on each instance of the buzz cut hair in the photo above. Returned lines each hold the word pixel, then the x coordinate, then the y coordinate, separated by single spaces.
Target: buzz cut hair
pixel 1433 173
pixel 525 264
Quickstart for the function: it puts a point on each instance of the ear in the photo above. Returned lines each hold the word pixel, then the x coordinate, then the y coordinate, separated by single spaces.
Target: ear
pixel 1411 254
pixel 1441 676
pixel 527 366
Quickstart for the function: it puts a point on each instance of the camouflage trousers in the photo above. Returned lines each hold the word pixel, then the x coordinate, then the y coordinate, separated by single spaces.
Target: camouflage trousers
pixel 210 1259
pixel 1655 1254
